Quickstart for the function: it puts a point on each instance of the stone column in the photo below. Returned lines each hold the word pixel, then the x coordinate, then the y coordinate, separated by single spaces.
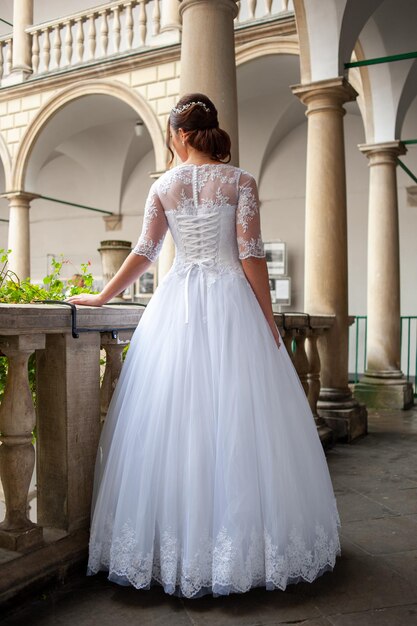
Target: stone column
pixel 384 385
pixel 19 232
pixel 22 42
pixel 326 269
pixel 208 63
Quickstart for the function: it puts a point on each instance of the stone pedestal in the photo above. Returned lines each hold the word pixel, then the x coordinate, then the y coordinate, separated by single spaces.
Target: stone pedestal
pixel 22 48
pixel 113 254
pixel 384 385
pixel 68 407
pixel 208 63
pixel 326 269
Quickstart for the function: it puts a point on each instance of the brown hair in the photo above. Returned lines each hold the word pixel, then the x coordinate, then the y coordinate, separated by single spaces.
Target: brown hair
pixel 198 118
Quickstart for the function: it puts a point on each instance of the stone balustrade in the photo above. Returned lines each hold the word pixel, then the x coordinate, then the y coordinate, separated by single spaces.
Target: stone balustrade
pixel 250 10
pixel 300 333
pixel 111 30
pixel 88 36
pixel 70 406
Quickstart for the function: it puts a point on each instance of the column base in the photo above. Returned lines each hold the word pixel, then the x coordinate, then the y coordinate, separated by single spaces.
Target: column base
pixel 325 433
pixel 384 392
pixel 343 414
pixel 23 540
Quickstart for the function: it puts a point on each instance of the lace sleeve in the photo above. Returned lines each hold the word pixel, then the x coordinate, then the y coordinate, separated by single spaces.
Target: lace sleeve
pixel 154 227
pixel 248 225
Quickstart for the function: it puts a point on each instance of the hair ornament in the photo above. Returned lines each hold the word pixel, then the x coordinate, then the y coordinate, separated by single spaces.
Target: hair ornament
pixel 185 107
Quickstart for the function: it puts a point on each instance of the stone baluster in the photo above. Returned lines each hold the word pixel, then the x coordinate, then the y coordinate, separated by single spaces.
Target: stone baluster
pixel 288 336
pixel 80 40
pixel 46 48
pixel 57 45
pixel 1 59
pixel 129 26
pixel 142 22
pixel 116 28
pixel 252 9
pixel 68 42
pixel 238 3
pixel 114 360
pixel 104 33
pixel 325 433
pixel 300 360
pixel 9 55
pixel 92 36
pixel 35 52
pixel 314 368
pixel 17 454
pixel 156 18
pixel 285 5
pixel 268 7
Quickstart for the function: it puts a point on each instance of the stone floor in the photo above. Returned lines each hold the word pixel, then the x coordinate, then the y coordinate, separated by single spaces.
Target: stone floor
pixel 374 582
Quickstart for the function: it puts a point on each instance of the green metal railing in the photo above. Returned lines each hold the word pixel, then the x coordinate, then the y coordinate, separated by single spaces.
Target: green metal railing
pixel 378 60
pixel 408 343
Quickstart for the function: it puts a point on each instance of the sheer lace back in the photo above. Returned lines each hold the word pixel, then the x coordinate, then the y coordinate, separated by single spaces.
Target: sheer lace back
pixel 212 211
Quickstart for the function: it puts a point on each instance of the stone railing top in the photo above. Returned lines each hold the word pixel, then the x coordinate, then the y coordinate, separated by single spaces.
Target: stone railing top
pixel 287 321
pixel 18 319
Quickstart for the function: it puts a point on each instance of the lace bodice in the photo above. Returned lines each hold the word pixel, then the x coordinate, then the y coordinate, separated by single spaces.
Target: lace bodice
pixel 212 211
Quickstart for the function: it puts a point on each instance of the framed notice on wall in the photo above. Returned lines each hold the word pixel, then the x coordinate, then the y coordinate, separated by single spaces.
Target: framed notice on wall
pixel 276 257
pixel 280 287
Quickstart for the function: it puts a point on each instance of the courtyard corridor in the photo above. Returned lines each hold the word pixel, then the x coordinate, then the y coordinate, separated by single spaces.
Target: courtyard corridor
pixel 374 582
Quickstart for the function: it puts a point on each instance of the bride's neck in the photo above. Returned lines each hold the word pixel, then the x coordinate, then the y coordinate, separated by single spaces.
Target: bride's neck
pixel 196 157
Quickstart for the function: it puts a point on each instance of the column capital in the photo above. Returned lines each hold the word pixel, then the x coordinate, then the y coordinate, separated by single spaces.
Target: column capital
pixel 20 196
pixel 331 93
pixel 384 152
pixel 225 5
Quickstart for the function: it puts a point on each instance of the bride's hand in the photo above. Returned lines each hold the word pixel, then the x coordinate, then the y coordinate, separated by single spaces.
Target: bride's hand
pixel 87 299
pixel 276 335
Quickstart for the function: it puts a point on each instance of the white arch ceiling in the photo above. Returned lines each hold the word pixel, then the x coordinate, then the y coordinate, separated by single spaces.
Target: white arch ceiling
pixel 329 31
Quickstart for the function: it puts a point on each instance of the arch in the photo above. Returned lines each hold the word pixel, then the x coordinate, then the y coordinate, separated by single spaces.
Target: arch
pixel 266 47
pixel 408 94
pixel 92 87
pixel 359 78
pixel 304 41
pixel 6 161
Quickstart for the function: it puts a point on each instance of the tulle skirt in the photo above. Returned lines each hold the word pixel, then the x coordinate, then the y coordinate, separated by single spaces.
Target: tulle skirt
pixel 210 476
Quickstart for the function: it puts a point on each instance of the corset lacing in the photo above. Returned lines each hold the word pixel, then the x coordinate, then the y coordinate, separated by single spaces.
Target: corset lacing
pixel 200 238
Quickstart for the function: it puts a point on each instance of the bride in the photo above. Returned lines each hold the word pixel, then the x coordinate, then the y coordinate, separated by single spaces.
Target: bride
pixel 210 476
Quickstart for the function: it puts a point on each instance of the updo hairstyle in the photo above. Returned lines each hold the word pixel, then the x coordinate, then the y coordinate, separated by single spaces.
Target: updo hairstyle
pixel 197 116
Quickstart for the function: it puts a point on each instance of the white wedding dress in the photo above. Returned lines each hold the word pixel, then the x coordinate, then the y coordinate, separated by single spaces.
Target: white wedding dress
pixel 210 475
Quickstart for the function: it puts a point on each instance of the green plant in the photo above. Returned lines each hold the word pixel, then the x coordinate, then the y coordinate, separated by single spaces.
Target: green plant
pixel 16 291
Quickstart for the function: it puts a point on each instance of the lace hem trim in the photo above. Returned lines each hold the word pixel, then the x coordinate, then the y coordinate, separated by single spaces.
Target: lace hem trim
pixel 220 566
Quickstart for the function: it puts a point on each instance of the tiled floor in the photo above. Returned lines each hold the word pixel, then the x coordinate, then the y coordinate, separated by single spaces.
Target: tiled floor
pixel 374 582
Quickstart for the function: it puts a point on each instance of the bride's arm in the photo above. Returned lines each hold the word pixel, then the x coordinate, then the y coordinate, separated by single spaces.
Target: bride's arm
pixel 142 256
pixel 251 249
pixel 133 267
pixel 257 274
